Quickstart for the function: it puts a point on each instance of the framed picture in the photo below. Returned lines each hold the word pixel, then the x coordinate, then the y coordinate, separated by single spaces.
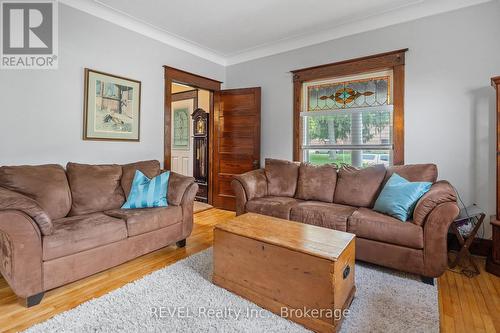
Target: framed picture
pixel 112 107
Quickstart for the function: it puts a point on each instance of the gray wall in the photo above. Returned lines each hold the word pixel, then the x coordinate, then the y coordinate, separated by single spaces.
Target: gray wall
pixel 449 108
pixel 42 111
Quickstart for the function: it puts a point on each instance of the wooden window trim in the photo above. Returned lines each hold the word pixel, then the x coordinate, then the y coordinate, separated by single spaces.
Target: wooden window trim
pixel 394 61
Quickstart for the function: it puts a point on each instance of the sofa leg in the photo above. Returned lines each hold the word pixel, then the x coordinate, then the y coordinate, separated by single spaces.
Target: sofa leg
pixel 181 243
pixel 427 280
pixel 32 300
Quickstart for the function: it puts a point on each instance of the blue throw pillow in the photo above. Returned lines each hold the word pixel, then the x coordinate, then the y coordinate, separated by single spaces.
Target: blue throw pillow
pixel 148 193
pixel 399 197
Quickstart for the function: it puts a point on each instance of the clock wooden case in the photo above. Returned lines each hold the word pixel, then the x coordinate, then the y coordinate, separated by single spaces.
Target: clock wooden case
pixel 200 153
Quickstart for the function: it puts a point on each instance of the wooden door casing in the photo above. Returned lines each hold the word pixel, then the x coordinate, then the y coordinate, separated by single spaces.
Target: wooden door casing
pixel 198 82
pixel 236 140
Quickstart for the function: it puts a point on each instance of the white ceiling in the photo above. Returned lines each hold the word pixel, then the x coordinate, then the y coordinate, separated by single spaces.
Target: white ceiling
pixel 230 27
pixel 233 31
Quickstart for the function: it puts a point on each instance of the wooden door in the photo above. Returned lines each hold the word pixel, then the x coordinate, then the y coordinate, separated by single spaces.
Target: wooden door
pixel 182 136
pixel 182 106
pixel 236 140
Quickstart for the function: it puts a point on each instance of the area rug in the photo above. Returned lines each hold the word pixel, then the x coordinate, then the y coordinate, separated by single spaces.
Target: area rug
pixel 182 298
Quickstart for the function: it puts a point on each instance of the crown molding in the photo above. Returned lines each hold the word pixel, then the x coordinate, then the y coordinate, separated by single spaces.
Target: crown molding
pixel 95 8
pixel 415 10
pixel 392 17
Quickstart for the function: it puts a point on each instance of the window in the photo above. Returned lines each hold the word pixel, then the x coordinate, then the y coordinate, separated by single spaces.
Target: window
pixel 348 120
pixel 351 112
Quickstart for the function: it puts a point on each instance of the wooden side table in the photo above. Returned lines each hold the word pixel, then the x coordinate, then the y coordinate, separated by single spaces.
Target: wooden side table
pixel 476 216
pixel 493 260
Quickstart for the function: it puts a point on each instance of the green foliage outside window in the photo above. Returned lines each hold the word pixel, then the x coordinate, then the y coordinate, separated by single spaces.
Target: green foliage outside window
pixel 319 128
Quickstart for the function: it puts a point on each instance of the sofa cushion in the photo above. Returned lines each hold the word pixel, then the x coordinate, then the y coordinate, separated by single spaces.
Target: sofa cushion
pixel 414 172
pixel 327 215
pixel 149 168
pixel 399 197
pixel 281 177
pixel 146 192
pixel 359 187
pixel 80 233
pixel 140 221
pixel 272 206
pixel 46 184
pixel 366 223
pixel 94 188
pixel 317 182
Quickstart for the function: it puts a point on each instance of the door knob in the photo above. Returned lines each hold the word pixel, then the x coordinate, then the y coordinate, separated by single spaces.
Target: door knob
pixel 256 164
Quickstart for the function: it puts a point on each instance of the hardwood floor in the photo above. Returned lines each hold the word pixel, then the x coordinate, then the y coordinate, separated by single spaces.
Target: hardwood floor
pixel 469 304
pixel 465 305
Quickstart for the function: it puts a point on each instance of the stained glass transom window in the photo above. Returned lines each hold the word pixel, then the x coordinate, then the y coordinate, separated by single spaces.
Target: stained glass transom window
pixel 349 94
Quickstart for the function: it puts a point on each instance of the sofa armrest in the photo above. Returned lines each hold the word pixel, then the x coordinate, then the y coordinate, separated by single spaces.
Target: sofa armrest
pixel 248 186
pixel 177 186
pixel 10 200
pixel 240 196
pixel 187 204
pixel 254 183
pixel 440 192
pixel 435 238
pixel 21 253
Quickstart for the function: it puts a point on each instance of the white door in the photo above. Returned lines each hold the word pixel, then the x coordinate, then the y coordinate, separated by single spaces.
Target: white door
pixel 182 137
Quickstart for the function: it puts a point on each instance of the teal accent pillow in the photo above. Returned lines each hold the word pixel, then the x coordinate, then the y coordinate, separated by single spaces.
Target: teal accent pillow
pixel 148 193
pixel 399 197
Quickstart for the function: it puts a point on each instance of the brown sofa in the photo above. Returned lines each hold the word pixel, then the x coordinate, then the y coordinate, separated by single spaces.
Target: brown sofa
pixel 343 200
pixel 58 226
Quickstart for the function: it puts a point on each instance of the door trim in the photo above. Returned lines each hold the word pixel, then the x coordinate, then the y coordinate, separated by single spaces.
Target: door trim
pixel 174 75
pixel 190 94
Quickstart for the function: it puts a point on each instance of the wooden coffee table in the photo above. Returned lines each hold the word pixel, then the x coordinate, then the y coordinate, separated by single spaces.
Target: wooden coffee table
pixel 302 272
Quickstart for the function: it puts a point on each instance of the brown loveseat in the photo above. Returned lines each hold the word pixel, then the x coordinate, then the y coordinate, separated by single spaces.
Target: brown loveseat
pixel 342 200
pixel 58 226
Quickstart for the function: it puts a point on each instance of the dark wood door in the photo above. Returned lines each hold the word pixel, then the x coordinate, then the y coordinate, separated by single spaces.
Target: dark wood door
pixel 236 140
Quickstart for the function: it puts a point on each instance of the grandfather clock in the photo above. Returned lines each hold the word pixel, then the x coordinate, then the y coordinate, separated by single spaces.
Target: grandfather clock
pixel 200 153
pixel 493 261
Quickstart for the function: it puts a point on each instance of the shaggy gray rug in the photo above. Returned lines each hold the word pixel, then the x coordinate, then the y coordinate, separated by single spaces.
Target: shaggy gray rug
pixel 182 298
